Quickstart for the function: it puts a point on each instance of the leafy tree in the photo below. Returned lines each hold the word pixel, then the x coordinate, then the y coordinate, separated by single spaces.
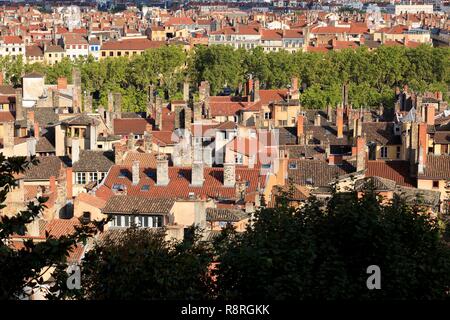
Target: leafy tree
pixel 323 252
pixel 24 268
pixel 141 264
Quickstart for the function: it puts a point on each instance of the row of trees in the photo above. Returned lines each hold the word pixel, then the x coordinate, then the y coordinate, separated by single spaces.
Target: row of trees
pixel 372 75
pixel 313 252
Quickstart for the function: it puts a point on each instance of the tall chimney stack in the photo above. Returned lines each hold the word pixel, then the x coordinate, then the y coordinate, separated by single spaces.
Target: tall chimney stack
pixel 300 128
pixel 19 106
pixel 135 172
pixel 197 174
pixel 186 91
pixel 162 170
pixel 340 122
pixel 360 153
pixel 430 114
pixel 75 150
pixel 229 175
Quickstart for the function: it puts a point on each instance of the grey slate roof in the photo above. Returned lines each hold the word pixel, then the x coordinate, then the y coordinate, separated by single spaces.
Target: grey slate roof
pixel 92 161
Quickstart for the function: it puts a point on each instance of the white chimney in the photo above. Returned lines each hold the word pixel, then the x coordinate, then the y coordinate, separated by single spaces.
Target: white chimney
pixel 229 175
pixel 162 171
pixel 75 150
pixel 197 176
pixel 135 172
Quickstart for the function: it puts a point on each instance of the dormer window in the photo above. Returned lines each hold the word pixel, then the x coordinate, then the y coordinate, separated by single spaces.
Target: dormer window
pixel 293 165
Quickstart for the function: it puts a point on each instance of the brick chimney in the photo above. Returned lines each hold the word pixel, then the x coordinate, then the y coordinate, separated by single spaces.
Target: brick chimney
pixel 229 175
pixel 162 170
pixel 430 114
pixel 197 174
pixel 300 128
pixel 334 159
pixel 340 122
pixel 36 130
pixel 249 88
pixel 62 83
pixel 423 143
pixel 52 184
pixel 135 172
pixel 360 153
pixel 30 118
pixel 69 183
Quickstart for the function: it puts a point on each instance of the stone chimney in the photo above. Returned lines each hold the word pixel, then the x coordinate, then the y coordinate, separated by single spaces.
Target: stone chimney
pixel 256 96
pixel 197 111
pixel 197 177
pixel 110 102
pixel 135 172
pixel 19 106
pixel 158 115
pixel 119 152
pixel 345 95
pixel 162 170
pixel 229 175
pixel 117 103
pixel 148 141
pixel 430 114
pixel 8 136
pixel 329 113
pixel 186 91
pixel 130 141
pixel 87 102
pixel 317 119
pixel 360 153
pixel 31 146
pixel 340 122
pixel 75 150
pixel 187 117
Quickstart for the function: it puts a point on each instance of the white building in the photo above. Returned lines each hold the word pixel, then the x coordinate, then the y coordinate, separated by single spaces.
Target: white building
pixel 413 8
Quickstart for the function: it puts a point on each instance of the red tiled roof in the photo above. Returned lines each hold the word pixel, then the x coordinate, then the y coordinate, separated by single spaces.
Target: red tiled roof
pixel 179 21
pixel 91 200
pixel 437 167
pixel 180 182
pixel 12 39
pixel 125 126
pixel 6 116
pixel 392 170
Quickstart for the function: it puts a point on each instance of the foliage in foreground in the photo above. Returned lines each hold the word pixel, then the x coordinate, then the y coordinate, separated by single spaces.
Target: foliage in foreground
pixel 323 253
pixel 24 268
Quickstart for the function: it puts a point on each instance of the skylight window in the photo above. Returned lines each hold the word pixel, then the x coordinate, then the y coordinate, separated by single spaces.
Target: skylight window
pixel 145 187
